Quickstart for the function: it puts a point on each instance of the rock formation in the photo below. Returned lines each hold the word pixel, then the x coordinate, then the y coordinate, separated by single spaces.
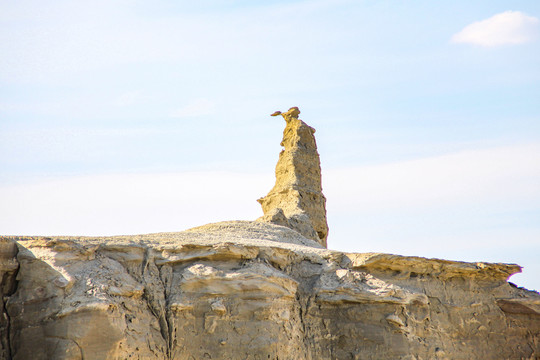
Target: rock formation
pixel 256 290
pixel 297 201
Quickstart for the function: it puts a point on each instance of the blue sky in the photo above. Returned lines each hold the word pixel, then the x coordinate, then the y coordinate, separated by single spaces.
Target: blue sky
pixel 125 117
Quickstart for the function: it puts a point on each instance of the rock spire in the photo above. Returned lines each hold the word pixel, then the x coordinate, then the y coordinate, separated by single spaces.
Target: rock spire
pixel 296 200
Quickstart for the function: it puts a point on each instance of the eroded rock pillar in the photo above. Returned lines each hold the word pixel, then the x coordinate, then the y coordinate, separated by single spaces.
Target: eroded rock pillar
pixel 296 200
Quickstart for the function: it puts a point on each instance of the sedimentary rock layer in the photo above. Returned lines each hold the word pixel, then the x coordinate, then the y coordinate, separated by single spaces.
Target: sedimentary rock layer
pixel 296 200
pixel 252 290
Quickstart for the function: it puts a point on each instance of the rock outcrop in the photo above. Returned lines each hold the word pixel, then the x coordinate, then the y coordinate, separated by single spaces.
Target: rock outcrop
pixel 253 290
pixel 296 200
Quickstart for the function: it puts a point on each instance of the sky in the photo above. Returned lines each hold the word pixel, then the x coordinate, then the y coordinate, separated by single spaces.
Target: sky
pixel 128 117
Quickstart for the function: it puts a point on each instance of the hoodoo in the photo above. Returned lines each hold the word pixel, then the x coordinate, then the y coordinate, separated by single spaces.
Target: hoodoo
pixel 296 200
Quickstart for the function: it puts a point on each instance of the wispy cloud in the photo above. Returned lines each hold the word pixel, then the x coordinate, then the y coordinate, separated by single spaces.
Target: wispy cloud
pixel 504 178
pixel 130 203
pixel 130 98
pixel 506 28
pixel 197 107
pixel 501 176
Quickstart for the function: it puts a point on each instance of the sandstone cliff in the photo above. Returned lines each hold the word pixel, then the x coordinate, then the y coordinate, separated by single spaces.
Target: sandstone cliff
pixel 252 290
pixel 296 200
pixel 266 289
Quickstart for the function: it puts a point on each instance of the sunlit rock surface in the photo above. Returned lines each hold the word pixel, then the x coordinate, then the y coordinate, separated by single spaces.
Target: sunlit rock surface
pixel 253 290
pixel 296 200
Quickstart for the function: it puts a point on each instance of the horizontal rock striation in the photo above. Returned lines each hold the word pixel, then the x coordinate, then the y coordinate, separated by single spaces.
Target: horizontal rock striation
pixel 253 290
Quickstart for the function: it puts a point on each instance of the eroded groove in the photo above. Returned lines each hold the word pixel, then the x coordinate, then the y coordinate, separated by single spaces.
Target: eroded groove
pixel 9 268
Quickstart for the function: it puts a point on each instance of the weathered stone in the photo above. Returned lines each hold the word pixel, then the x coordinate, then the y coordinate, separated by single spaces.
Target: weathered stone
pixel 255 290
pixel 8 271
pixel 297 193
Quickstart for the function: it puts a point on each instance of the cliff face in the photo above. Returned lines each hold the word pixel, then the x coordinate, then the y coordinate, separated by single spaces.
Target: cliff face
pixel 256 290
pixel 296 200
pixel 8 270
pixel 252 290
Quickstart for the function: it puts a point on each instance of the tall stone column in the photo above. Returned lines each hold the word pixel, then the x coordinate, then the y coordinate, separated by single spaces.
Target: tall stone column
pixel 296 200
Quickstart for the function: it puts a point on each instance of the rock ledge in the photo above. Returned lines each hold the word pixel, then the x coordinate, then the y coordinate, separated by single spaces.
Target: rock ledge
pixel 252 290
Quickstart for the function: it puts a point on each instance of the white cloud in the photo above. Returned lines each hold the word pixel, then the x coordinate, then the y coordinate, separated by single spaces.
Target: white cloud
pixel 507 28
pixel 130 204
pixel 197 107
pixel 501 175
pixel 499 178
